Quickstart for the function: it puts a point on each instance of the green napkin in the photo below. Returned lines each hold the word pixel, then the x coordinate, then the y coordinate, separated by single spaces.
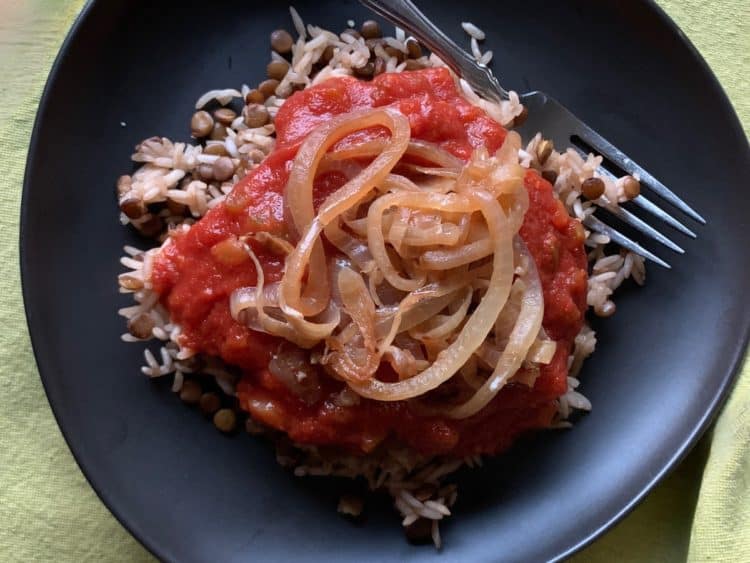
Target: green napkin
pixel 48 512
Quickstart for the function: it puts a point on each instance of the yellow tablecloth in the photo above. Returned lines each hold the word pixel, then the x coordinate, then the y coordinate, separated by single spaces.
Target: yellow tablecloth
pixel 48 512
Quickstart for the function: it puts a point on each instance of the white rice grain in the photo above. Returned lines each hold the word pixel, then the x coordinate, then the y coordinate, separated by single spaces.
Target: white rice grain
pixel 437 507
pixel 178 381
pixel 159 333
pixel 603 277
pixel 396 44
pixel 475 49
pixel 473 31
pixel 316 43
pixel 578 209
pixel 578 401
pixel 608 263
pixel 223 96
pixel 231 147
pixel 150 359
pixel 409 520
pixel 411 500
pixel 486 58
pixel 599 238
pixel 435 534
pixel 299 25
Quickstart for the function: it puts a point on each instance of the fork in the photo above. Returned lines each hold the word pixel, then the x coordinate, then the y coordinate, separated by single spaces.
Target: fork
pixel 557 124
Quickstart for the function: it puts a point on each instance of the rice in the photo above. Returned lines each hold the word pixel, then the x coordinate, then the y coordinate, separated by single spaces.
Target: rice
pixel 473 31
pixel 173 195
pixel 299 25
pixel 222 96
pixel 475 49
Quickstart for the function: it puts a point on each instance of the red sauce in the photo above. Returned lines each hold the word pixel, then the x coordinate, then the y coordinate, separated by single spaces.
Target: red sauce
pixel 195 279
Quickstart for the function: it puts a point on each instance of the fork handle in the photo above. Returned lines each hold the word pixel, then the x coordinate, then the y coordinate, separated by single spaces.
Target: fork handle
pixel 404 14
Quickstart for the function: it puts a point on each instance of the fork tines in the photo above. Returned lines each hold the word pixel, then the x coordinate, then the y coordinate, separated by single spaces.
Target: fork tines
pixel 611 153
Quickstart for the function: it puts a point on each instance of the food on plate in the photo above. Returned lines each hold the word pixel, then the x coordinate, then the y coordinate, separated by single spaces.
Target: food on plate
pixel 361 261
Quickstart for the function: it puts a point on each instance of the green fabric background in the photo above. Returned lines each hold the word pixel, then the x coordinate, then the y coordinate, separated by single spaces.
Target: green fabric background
pixel 48 512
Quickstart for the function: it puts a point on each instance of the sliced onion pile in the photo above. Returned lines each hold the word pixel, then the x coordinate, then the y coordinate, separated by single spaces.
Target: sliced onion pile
pixel 423 276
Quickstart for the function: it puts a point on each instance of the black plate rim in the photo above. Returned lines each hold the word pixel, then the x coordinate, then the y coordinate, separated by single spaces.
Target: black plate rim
pixel 32 316
pixel 99 488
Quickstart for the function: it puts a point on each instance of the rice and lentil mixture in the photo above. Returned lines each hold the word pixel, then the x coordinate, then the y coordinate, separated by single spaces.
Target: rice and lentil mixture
pixel 233 130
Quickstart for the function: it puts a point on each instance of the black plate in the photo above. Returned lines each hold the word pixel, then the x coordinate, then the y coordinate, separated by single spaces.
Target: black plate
pixel 665 361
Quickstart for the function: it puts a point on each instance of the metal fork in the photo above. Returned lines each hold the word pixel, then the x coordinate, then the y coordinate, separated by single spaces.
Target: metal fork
pixel 556 123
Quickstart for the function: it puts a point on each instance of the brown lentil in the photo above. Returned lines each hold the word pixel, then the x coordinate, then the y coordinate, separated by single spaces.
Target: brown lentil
pixel 254 428
pixel 190 392
pixel 412 64
pixel 606 310
pixel 631 187
pixel 225 116
pixel 254 96
pixel 379 66
pixel 520 119
pixel 268 87
pixel 550 176
pixel 371 30
pixel 544 150
pixel 216 149
pixel 223 169
pixel 350 505
pixel 218 132
pixel 277 69
pixel 141 326
pixel 253 156
pixel 196 363
pixel 206 172
pixel 209 403
pixel 152 226
pixel 176 208
pixel 592 188
pixel 414 50
pixel 281 41
pixel 393 52
pixel 130 282
pixel 424 493
pixel 132 206
pixel 327 54
pixel 255 115
pixel 201 124
pixel 366 71
pixel 420 531
pixel 225 420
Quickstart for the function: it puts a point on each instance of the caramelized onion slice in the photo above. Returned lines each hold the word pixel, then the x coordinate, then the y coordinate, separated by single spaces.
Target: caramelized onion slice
pixel 520 340
pixel 477 326
pixel 298 301
pixel 357 302
pixel 542 351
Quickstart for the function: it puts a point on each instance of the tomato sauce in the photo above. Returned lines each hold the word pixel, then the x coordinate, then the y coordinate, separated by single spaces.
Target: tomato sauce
pixel 196 273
